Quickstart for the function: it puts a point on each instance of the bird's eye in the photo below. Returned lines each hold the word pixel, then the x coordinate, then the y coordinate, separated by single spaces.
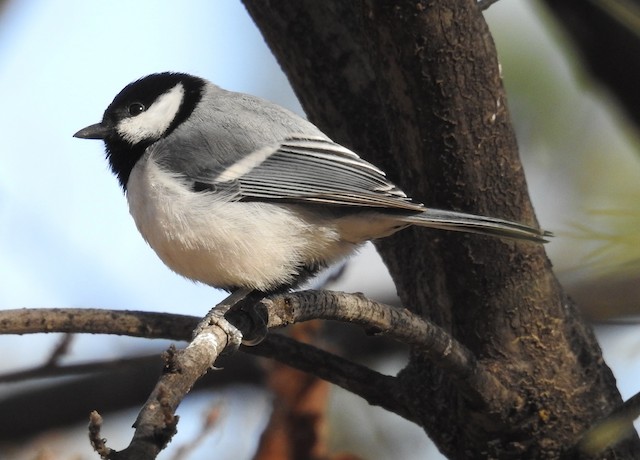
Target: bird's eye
pixel 136 109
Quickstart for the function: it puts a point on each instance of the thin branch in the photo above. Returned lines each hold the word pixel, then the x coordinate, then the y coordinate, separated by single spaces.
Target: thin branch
pixel 612 429
pixel 156 422
pixel 45 371
pixel 477 382
pixel 97 321
pixel 376 388
pixel 109 387
pixel 397 323
pixel 58 352
pixel 377 319
pixel 98 443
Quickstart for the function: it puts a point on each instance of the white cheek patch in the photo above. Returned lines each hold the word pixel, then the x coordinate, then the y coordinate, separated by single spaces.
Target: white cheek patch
pixel 153 122
pixel 245 165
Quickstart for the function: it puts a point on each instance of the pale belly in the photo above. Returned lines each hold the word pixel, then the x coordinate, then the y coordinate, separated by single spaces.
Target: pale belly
pixel 227 244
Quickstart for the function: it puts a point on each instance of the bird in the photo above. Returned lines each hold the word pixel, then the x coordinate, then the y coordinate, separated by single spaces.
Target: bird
pixel 239 193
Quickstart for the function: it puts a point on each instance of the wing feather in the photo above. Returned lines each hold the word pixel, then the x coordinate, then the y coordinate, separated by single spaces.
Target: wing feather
pixel 320 171
pixel 316 170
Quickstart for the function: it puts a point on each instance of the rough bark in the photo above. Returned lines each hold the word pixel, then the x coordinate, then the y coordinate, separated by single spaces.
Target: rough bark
pixel 414 86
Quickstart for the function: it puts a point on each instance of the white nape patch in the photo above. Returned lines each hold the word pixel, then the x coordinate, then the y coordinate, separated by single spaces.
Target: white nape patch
pixel 246 164
pixel 153 122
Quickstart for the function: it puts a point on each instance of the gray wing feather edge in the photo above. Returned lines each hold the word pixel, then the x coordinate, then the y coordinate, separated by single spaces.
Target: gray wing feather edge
pixel 317 170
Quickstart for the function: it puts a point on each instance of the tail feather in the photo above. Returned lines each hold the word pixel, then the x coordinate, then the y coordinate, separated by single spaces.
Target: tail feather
pixel 462 222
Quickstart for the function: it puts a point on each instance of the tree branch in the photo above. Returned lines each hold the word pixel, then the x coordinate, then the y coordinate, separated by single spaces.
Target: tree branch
pixel 612 429
pixel 377 319
pixel 109 386
pixel 156 422
pixel 47 370
pixel 377 389
pixel 97 321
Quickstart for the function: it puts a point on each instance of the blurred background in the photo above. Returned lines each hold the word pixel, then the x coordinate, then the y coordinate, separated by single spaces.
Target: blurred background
pixel 67 240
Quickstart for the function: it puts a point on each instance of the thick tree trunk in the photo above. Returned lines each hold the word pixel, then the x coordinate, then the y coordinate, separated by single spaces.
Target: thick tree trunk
pixel 414 86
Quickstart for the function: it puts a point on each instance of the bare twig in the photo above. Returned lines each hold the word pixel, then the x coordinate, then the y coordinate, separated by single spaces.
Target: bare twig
pixel 427 339
pixel 61 349
pixel 41 372
pixel 97 321
pixel 98 443
pixel 376 388
pixel 377 318
pixel 113 385
pixel 156 422
pixel 612 429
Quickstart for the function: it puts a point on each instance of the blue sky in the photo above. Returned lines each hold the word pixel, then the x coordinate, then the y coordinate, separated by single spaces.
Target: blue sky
pixel 65 234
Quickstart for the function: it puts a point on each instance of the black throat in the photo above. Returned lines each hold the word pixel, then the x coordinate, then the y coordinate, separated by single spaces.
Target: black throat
pixel 123 157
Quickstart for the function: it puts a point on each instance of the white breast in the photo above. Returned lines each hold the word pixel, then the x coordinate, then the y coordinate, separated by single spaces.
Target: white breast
pixel 226 244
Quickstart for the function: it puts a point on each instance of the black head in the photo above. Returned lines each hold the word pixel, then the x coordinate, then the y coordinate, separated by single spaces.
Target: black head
pixel 142 113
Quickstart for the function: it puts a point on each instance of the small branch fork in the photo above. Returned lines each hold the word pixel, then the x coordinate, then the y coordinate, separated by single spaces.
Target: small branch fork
pixel 222 331
pixel 156 422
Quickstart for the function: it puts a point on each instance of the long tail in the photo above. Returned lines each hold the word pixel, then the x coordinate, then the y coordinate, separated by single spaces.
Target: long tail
pixel 462 222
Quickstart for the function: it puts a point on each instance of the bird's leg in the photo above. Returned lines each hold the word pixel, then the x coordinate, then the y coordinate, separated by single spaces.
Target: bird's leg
pixel 249 315
pixel 243 310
